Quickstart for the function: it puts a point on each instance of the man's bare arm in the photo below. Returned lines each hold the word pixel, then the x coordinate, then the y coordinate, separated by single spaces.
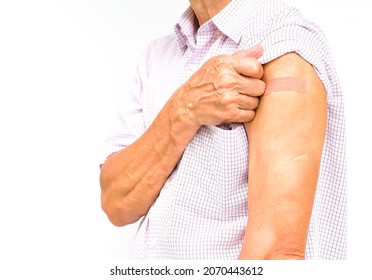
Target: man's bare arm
pixel 285 145
pixel 224 89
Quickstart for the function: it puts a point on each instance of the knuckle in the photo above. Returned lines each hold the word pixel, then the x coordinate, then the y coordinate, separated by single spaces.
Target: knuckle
pixel 258 70
pixel 250 116
pixel 227 99
pixel 225 80
pixel 256 67
pixel 221 63
pixel 260 87
pixel 256 87
pixel 230 116
pixel 221 60
pixel 254 102
pixel 224 100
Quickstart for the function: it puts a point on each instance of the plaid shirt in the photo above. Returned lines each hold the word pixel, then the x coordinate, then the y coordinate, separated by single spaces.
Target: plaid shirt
pixel 201 212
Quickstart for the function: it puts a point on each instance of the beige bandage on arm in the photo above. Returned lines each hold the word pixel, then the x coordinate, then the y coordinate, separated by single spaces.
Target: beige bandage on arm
pixel 286 84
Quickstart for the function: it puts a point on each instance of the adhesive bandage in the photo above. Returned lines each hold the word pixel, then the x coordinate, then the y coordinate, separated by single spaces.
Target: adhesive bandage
pixel 286 84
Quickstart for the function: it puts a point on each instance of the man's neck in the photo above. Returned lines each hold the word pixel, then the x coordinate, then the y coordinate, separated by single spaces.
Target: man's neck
pixel 206 9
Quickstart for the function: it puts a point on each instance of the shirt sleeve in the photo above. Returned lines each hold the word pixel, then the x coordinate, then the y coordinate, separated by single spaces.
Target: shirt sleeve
pixel 287 31
pixel 128 124
pixel 290 32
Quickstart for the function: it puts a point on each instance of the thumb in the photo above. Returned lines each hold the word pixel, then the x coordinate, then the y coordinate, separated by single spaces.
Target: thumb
pixel 256 52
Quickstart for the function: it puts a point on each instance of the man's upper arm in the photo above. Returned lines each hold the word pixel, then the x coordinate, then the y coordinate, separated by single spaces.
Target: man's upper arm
pixel 285 145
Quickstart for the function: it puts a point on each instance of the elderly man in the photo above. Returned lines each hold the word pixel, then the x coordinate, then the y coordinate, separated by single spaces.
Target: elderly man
pixel 231 144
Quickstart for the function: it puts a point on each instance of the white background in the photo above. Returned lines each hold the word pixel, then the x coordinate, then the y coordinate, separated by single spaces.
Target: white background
pixel 63 67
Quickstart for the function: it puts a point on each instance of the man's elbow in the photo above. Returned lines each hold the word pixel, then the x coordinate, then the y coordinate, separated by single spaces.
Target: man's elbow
pixel 112 203
pixel 287 248
pixel 117 213
pixel 273 254
pixel 290 254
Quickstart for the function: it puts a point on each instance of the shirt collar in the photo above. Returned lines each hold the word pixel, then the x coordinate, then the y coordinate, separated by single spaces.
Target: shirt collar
pixel 231 21
pixel 186 28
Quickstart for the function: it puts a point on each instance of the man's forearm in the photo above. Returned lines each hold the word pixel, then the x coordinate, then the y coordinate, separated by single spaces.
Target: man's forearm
pixel 132 178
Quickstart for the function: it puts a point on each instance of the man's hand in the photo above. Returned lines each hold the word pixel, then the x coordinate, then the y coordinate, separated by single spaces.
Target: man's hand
pixel 224 90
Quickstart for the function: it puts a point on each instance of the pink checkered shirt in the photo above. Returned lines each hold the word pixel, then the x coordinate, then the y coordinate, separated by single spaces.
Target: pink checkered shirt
pixel 201 212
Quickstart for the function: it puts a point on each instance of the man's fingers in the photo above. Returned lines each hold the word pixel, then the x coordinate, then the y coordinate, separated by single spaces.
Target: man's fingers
pixel 245 62
pixel 251 87
pixel 247 66
pixel 246 102
pixel 246 116
pixel 256 52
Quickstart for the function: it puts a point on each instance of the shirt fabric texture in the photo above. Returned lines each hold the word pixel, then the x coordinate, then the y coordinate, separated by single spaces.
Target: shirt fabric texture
pixel 201 212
